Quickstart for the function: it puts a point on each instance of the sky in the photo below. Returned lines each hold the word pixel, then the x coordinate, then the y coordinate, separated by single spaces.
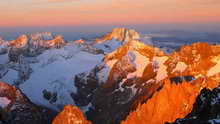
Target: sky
pixel 65 13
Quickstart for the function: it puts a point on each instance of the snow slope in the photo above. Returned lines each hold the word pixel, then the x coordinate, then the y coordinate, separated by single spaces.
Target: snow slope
pixel 108 46
pixel 54 73
pixel 47 76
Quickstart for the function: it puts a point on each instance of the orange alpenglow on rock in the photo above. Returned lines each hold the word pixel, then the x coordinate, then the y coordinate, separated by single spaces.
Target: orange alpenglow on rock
pixel 176 100
pixel 120 34
pixel 70 115
pixel 173 101
pixel 20 42
pixel 57 42
pixel 164 86
pixel 16 108
pixel 80 41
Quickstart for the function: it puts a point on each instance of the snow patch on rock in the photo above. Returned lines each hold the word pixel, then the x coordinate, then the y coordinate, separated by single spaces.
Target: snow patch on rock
pixel 180 67
pixel 140 63
pixel 108 46
pixel 104 73
pixel 215 69
pixel 160 67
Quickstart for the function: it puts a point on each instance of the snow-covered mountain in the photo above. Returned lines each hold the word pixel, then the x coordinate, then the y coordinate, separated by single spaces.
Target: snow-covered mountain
pixel 136 73
pixel 119 36
pixel 180 89
pixel 114 78
pixel 52 79
pixel 43 67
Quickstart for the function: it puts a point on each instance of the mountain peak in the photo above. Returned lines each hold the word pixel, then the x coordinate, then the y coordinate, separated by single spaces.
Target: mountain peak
pixel 70 115
pixel 57 41
pixel 134 45
pixel 120 34
pixel 20 42
pixel 42 36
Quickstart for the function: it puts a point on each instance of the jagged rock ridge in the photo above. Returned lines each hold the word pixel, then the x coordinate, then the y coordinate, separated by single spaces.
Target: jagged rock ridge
pixel 131 77
pixel 16 108
pixel 135 74
pixel 120 34
pixel 206 109
pixel 70 115
pixel 115 39
pixel 176 100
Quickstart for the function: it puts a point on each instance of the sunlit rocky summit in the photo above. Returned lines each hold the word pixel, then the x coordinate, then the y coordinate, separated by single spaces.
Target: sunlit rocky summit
pixel 114 39
pixel 70 115
pixel 120 34
pixel 116 79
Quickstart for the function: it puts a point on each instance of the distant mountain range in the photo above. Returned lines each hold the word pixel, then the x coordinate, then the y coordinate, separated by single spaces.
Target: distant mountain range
pixel 122 77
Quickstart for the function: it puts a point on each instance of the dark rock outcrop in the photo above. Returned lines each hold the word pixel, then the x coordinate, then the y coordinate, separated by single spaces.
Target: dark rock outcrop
pixel 206 109
pixel 16 108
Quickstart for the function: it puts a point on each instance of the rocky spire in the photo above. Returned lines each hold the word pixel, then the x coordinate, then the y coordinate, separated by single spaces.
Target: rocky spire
pixel 70 115
pixel 120 34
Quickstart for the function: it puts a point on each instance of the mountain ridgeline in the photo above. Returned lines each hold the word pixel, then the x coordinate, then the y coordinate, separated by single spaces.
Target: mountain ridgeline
pixel 119 78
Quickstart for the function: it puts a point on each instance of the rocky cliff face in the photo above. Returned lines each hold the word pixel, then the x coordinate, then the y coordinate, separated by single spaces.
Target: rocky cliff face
pixel 137 74
pixel 119 81
pixel 206 109
pixel 169 103
pixel 172 101
pixel 120 34
pixel 70 115
pixel 20 42
pixel 176 100
pixel 16 108
pixel 115 39
pixel 58 42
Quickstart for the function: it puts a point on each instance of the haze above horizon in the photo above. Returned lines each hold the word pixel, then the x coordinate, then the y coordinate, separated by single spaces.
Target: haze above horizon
pixel 140 14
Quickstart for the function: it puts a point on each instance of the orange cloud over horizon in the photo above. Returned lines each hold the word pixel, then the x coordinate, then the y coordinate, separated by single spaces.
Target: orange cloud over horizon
pixel 88 12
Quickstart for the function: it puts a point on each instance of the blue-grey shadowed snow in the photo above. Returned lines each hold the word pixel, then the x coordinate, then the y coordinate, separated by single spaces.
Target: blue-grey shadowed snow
pixel 180 79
